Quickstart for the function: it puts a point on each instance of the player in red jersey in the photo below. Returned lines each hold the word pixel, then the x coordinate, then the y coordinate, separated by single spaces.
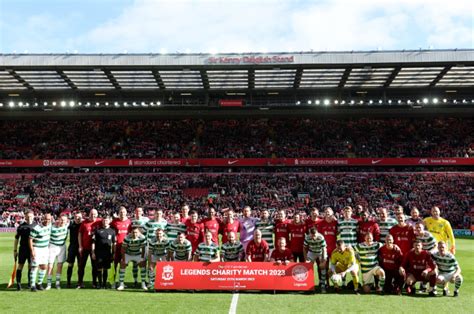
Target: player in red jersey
pixel 367 225
pixel 313 220
pixel 229 225
pixel 357 215
pixel 184 213
pixel 122 226
pixel 86 231
pixel 403 235
pixel 212 224
pixel 281 226
pixel 297 230
pixel 390 259
pixel 328 228
pixel 282 254
pixel 257 249
pixel 417 266
pixel 194 230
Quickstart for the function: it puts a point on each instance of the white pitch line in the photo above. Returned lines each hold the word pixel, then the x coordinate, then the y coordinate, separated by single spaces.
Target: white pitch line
pixel 233 304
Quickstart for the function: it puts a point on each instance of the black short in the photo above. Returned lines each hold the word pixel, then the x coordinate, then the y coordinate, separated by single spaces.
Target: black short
pixel 24 255
pixel 103 262
pixel 72 254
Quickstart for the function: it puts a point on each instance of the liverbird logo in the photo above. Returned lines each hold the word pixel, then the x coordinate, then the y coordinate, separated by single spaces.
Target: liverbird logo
pixel 423 161
pixel 167 273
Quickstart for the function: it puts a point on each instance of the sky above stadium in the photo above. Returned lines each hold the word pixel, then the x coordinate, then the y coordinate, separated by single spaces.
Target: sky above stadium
pixel 134 26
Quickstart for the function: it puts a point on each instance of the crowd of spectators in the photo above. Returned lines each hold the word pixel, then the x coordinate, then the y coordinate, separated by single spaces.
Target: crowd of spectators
pixel 452 192
pixel 246 138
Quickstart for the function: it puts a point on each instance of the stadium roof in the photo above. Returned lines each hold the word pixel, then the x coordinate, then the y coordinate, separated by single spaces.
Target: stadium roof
pixel 251 71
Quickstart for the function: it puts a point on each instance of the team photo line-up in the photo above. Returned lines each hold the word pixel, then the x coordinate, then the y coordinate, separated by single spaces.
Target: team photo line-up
pixel 391 253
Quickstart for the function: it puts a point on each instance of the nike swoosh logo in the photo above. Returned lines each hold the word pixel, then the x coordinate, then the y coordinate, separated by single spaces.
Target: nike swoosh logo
pixel 232 162
pixel 98 162
pixel 376 161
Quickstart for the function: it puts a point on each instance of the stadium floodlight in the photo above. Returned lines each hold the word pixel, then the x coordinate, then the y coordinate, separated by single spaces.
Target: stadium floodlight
pixel 399 101
pixel 352 102
pixel 88 104
pixel 54 104
pixel 79 104
pixel 309 102
pixel 20 104
pixel 106 104
pixel 371 102
pixel 159 103
pixel 343 102
pixel 361 102
pixel 143 104
pixel 134 104
pixel 27 104
pixel 425 100
pixel 445 100
pixel 326 102
pixel 72 104
pixel 298 102
pixel 11 104
pixel 418 101
pixel 435 100
pixel 1 105
pixel 380 101
pixel 36 104
pixel 336 102
pixel 455 101
pixel 45 104
pixel 63 103
pixel 408 101
pixel 389 101
pixel 125 104
pixel 97 104
pixel 464 101
pixel 317 101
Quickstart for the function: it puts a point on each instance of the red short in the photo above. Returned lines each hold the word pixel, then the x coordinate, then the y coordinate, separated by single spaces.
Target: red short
pixel 118 253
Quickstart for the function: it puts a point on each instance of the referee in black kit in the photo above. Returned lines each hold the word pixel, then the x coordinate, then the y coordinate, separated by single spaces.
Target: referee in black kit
pixel 23 253
pixel 103 249
pixel 73 249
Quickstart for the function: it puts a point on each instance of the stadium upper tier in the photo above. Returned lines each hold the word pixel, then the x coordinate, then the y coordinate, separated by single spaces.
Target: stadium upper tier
pixel 256 78
pixel 244 138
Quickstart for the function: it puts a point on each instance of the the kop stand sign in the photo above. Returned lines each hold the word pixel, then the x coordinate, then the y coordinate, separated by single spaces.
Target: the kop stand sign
pixel 251 60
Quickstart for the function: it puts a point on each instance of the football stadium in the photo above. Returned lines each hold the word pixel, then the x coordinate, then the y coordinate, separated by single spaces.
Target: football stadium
pixel 282 157
pixel 277 182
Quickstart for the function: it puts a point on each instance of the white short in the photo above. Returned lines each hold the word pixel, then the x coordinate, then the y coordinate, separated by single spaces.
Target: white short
pixel 58 252
pixel 133 258
pixel 313 257
pixel 368 278
pixel 41 256
pixel 354 268
pixel 158 258
pixel 446 277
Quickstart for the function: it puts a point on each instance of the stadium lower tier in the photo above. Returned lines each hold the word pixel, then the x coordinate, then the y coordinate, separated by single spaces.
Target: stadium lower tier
pixel 452 192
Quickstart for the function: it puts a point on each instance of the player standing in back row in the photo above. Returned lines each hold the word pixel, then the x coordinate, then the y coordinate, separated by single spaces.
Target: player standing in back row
pixel 39 242
pixel 57 249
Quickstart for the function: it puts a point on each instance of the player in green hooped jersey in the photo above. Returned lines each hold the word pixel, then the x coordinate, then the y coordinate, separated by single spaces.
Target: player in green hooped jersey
pixel 449 270
pixel 175 227
pixel 133 250
pixel 57 249
pixel 367 253
pixel 157 252
pixel 138 221
pixel 347 227
pixel 207 251
pixel 39 242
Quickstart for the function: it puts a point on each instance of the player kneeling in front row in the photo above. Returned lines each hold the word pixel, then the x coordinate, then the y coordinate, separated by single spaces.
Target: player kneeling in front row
pixel 282 254
pixel 180 249
pixel 343 261
pixel 232 250
pixel 103 250
pixel 390 259
pixel 367 254
pixel 133 250
pixel 207 251
pixel 417 266
pixel 315 251
pixel 57 249
pixel 157 252
pixel 449 270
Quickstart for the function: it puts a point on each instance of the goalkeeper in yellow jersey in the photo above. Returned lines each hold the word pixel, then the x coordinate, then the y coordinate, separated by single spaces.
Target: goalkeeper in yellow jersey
pixel 343 261
pixel 440 228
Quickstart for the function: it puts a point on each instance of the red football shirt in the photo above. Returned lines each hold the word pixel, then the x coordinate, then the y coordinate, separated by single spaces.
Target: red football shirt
pixel 329 231
pixel 194 233
pixel 310 223
pixel 86 230
pixel 121 228
pixel 229 227
pixel 366 227
pixel 257 251
pixel 390 259
pixel 282 230
pixel 403 237
pixel 213 226
pixel 297 234
pixel 416 263
pixel 286 255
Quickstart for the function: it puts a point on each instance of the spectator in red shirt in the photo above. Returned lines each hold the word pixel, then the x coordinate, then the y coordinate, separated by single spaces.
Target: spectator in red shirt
pixel 282 255
pixel 417 266
pixel 86 232
pixel 367 225
pixel 403 235
pixel 194 230
pixel 390 259
pixel 257 249
pixel 297 231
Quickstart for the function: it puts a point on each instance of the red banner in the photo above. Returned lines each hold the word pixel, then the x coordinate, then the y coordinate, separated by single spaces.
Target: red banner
pixel 234 276
pixel 237 162
pixel 231 102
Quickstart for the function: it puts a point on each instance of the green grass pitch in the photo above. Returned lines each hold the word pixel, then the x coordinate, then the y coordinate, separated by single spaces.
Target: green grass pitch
pixel 136 301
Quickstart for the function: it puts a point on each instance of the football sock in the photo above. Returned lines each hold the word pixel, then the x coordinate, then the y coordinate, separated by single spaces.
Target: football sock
pixel 41 274
pixel 135 272
pixel 121 275
pixel 322 280
pixel 143 274
pixel 355 280
pixel 18 276
pixel 33 274
pixel 458 282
